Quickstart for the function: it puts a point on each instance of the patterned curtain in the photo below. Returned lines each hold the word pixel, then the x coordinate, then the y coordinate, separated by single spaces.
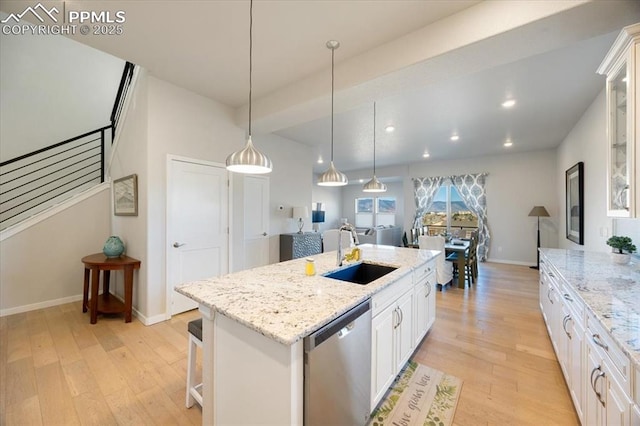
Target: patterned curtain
pixel 424 191
pixel 472 191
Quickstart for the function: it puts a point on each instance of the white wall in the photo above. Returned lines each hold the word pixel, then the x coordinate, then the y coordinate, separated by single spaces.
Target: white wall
pixel 331 199
pixel 129 157
pixel 66 87
pixel 290 185
pixel 587 142
pixel 41 266
pixel 515 184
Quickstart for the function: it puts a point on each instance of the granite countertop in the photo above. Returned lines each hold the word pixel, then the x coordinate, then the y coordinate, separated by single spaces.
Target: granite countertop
pixel 611 292
pixel 282 303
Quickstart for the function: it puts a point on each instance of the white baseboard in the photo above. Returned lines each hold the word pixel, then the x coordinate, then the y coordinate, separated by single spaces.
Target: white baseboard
pixel 49 303
pixel 39 305
pixel 510 262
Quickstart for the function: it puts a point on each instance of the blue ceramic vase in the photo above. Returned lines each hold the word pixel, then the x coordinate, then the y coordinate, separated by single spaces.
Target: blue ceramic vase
pixel 114 247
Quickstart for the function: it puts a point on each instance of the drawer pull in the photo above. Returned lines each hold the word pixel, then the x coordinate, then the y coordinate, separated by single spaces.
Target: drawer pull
pixel 551 274
pixel 564 325
pixel 549 295
pixel 597 341
pixel 594 381
pixel 567 297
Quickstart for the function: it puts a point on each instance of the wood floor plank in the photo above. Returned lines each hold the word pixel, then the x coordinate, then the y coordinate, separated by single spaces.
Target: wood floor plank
pixel 106 373
pixel 43 349
pixel 127 409
pixel 137 376
pixel 20 381
pixel 56 403
pixel 26 413
pixel 95 410
pixel 161 408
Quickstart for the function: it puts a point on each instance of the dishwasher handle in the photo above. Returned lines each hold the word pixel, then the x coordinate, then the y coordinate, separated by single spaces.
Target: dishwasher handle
pixel 341 326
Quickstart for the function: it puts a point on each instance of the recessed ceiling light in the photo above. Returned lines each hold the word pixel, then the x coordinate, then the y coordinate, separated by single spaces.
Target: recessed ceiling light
pixel 425 155
pixel 320 160
pixel 361 180
pixel 509 103
pixel 508 143
pixel 624 80
pixel 389 129
pixel 454 137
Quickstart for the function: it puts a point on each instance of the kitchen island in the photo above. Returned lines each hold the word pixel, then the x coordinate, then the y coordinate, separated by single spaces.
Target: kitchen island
pixel 254 324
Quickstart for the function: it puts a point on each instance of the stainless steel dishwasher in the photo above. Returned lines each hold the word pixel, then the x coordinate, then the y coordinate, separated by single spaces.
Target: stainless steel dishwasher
pixel 337 370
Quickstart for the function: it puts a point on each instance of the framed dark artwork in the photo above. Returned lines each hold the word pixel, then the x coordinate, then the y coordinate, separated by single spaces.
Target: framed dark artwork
pixel 574 178
pixel 125 196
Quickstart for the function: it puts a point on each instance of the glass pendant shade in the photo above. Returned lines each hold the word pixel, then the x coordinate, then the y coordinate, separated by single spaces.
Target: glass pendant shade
pixel 249 160
pixel 333 177
pixel 374 185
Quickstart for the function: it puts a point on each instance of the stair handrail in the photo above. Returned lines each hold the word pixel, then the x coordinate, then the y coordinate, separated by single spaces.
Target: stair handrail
pixel 125 81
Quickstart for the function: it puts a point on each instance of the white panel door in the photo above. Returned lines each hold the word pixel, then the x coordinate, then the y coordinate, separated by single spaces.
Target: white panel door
pixel 256 221
pixel 197 227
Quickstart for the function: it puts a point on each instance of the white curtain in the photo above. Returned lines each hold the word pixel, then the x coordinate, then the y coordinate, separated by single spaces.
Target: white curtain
pixel 472 190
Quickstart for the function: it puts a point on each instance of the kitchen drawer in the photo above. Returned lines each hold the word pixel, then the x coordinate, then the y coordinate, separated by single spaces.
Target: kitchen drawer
pixel 387 296
pixel 421 272
pixel 604 344
pixel 573 302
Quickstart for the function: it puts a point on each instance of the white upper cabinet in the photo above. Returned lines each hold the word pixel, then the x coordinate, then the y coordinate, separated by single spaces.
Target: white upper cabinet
pixel 623 115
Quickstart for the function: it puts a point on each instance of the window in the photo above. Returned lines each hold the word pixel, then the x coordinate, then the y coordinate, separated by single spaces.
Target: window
pixel 449 213
pixel 376 211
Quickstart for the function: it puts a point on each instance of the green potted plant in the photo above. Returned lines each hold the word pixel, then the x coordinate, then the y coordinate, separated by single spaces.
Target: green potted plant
pixel 621 248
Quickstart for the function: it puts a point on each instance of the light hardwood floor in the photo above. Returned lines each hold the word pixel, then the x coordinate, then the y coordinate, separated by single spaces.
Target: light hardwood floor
pixel 56 368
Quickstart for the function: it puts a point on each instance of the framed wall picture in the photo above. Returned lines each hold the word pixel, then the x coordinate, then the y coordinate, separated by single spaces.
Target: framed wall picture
pixel 574 178
pixel 125 196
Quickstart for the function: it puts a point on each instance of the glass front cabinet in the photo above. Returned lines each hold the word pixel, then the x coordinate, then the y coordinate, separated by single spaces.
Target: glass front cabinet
pixel 622 70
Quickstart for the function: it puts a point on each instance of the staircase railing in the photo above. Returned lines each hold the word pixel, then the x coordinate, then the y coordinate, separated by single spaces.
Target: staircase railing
pixel 123 89
pixel 31 182
pixel 35 181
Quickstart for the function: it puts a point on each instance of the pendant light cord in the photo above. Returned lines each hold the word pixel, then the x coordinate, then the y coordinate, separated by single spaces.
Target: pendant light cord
pixel 374 139
pixel 333 51
pixel 250 58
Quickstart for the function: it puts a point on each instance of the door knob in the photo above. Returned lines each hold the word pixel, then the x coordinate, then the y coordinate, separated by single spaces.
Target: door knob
pixel 176 244
pixel 264 234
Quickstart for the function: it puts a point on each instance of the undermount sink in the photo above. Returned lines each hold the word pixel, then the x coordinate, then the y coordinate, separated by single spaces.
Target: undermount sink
pixel 360 273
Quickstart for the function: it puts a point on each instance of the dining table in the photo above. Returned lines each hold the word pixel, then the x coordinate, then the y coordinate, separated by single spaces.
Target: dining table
pixel 460 247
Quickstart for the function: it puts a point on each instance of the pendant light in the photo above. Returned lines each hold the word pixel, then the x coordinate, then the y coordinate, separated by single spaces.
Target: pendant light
pixel 374 185
pixel 332 177
pixel 249 159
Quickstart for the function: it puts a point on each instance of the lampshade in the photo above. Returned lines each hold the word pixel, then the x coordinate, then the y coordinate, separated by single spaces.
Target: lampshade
pixel 539 211
pixel 249 159
pixel 332 177
pixel 317 216
pixel 300 212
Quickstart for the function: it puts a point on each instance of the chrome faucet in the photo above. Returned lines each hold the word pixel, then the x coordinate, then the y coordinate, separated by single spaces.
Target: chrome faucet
pixel 345 227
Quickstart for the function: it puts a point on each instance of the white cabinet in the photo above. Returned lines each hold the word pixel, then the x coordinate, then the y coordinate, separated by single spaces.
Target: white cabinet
pixel 623 117
pixel 401 312
pixel 424 283
pixel 606 402
pixel 391 335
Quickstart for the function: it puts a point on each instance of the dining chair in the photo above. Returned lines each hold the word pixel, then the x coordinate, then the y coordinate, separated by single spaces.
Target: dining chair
pixel 471 261
pixel 444 269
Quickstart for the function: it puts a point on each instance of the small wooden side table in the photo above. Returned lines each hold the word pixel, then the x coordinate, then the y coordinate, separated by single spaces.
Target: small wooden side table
pixel 109 304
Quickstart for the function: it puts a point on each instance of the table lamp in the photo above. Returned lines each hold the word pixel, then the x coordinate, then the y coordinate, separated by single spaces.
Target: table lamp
pixel 300 213
pixel 538 211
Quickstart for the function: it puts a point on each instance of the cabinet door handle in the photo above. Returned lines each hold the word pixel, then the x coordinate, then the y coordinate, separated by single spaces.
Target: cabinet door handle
pixel 551 274
pixel 401 316
pixel 429 287
pixel 566 319
pixel 567 297
pixel 597 341
pixel 594 381
pixel 549 295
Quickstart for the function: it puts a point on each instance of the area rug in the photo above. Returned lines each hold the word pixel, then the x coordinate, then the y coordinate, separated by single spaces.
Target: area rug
pixel 421 396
